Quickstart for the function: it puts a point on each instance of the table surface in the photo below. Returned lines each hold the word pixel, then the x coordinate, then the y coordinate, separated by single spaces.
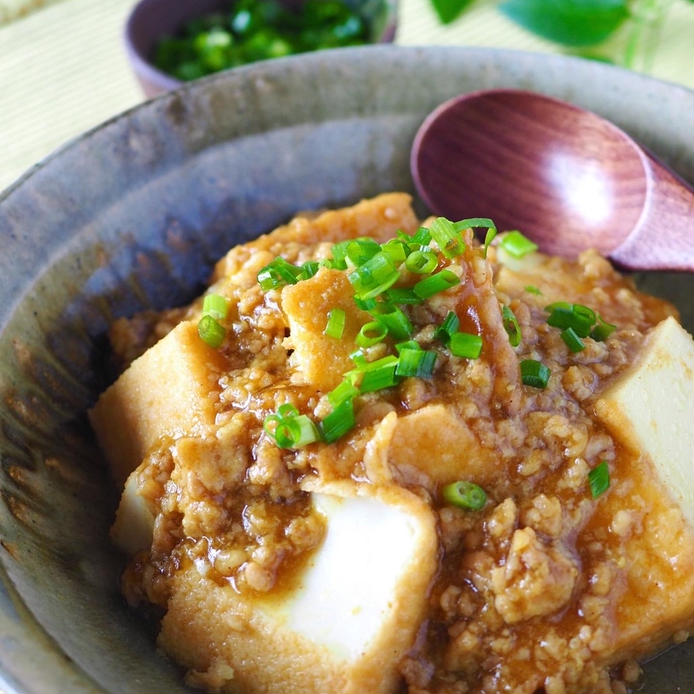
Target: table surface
pixel 63 69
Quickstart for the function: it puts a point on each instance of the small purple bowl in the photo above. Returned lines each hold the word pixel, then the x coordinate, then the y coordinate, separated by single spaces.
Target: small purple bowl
pixel 150 20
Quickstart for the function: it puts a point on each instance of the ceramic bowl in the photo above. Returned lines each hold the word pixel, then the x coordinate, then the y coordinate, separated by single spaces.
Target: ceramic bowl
pixel 131 216
pixel 150 20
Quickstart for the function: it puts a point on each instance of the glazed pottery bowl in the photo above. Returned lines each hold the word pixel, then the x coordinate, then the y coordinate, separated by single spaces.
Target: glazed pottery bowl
pixel 151 20
pixel 131 216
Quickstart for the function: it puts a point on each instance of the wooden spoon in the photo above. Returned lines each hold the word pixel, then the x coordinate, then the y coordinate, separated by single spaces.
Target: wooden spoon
pixel 565 177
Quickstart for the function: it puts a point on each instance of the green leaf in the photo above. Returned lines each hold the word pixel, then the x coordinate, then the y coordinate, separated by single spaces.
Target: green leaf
pixel 448 10
pixel 569 22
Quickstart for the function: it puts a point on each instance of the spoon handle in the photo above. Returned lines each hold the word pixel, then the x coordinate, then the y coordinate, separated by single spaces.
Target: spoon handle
pixel 663 238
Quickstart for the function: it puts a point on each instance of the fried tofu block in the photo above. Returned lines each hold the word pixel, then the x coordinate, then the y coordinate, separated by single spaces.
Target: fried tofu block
pixel 318 359
pixel 437 442
pixel 132 529
pixel 649 409
pixel 341 626
pixel 379 217
pixel 170 390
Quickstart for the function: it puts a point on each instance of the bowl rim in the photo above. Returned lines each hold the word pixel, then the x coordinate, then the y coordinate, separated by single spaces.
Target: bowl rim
pixel 18 626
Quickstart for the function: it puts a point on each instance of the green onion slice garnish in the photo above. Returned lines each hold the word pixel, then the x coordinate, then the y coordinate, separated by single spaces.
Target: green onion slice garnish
pixel 215 305
pixel 277 274
pixel 450 325
pixel 291 429
pixel 358 251
pixel 408 344
pixel 517 245
pixel 488 238
pixel 377 375
pixel 422 236
pixel 345 391
pixel 417 363
pixel 371 333
pixel 463 494
pixel 396 322
pixel 335 327
pixel 421 262
pixel 599 479
pixel 602 330
pixel 373 277
pixel 531 289
pixel 434 284
pixel 339 421
pixel 365 304
pixel 474 223
pixel 576 316
pixel 572 340
pixel 210 331
pixel 511 326
pixel 402 296
pixel 465 345
pixel 397 250
pixel 308 270
pixel 534 373
pixel 447 237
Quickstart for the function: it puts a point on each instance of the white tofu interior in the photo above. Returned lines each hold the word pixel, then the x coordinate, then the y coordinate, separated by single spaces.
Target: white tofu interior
pixel 345 595
pixel 649 409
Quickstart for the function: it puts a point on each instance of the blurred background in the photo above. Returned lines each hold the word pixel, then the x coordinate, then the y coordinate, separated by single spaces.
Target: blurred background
pixel 64 68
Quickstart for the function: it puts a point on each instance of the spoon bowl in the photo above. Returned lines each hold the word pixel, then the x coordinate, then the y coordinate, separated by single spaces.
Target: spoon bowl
pixel 565 177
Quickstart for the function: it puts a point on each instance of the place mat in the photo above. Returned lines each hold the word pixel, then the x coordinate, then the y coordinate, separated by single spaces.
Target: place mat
pixel 63 69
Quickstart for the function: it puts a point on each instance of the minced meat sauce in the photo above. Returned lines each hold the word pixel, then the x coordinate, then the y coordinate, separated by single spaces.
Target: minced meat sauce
pixel 531 589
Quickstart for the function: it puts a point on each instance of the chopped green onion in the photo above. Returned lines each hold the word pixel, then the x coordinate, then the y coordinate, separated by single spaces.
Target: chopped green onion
pixel 576 316
pixel 511 326
pixel 572 340
pixel 599 479
pixel 421 262
pixel 422 236
pixel 346 390
pixel 463 494
pixel 436 283
pixel 291 429
pixel 371 333
pixel 534 373
pixel 365 304
pixel 602 330
pixel 403 296
pixel 532 289
pixel 307 432
pixel 216 306
pixel 448 239
pixel 418 363
pixel 287 410
pixel 339 421
pixel 278 273
pixel 450 325
pixel 308 269
pixel 396 249
pixel 465 345
pixel 488 238
pixel 211 332
pixel 339 253
pixel 335 327
pixel 408 344
pixel 358 358
pixel 373 277
pixel 474 223
pixel 358 251
pixel 517 245
pixel 396 322
pixel 379 374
